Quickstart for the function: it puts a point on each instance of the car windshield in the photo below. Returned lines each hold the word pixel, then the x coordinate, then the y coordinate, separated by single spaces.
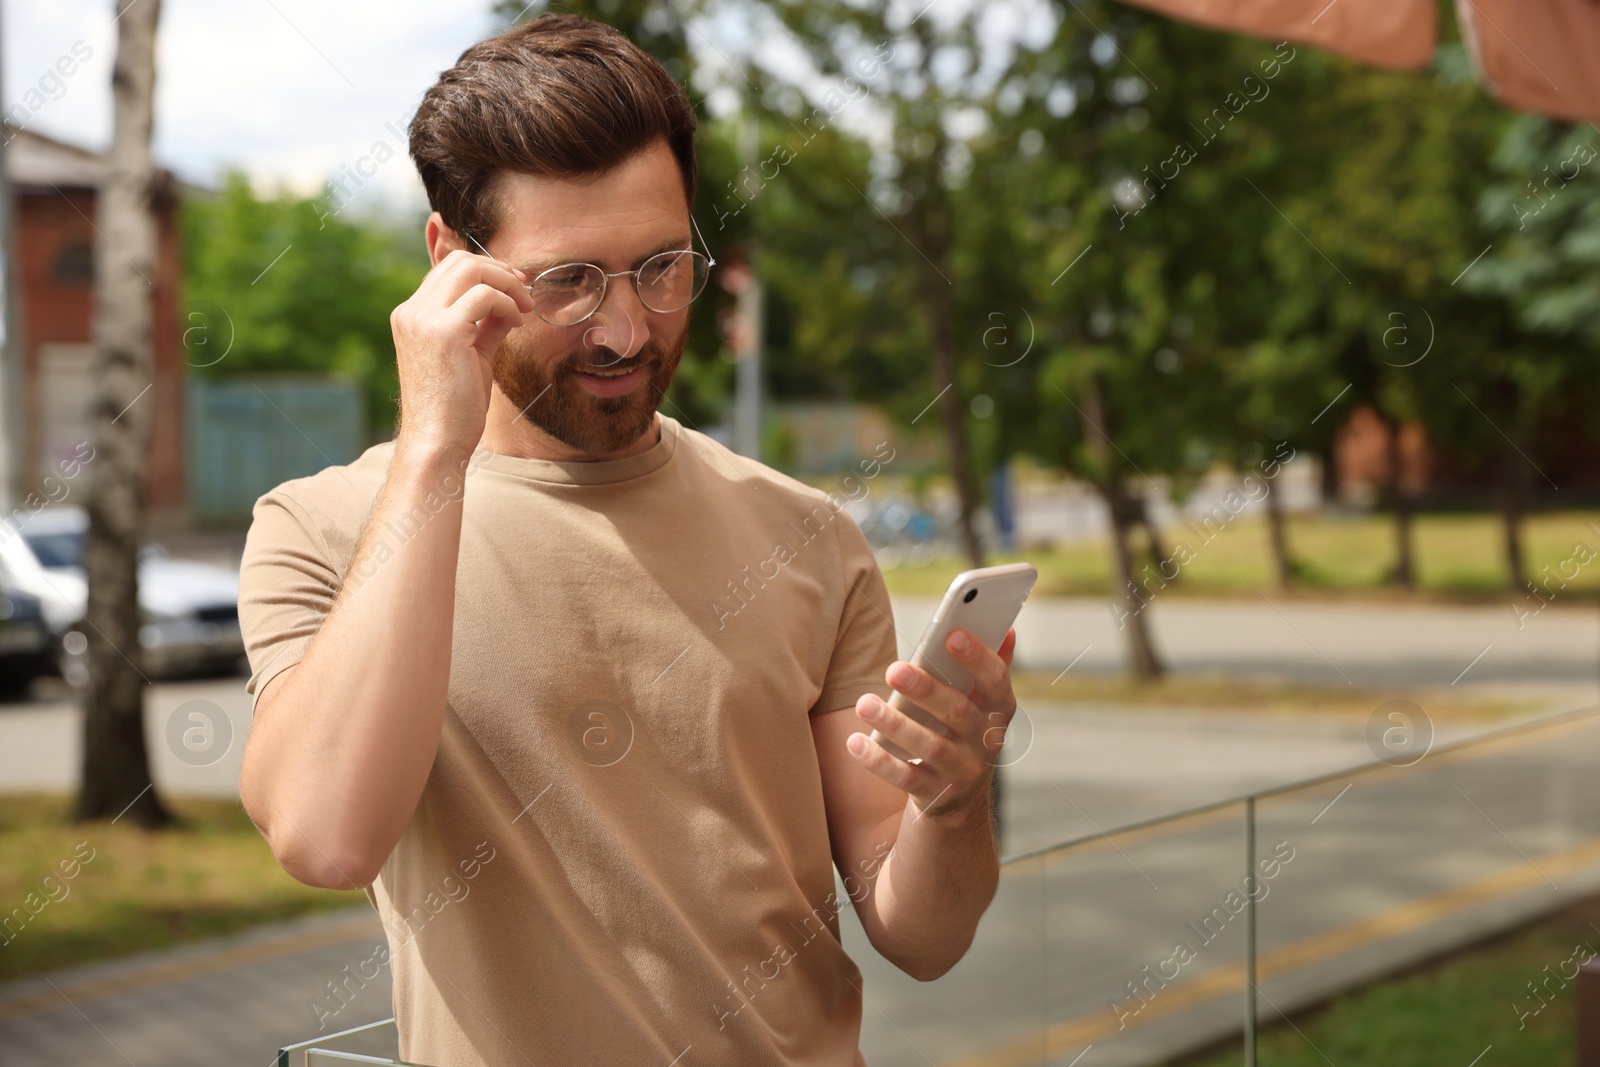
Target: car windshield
pixel 56 549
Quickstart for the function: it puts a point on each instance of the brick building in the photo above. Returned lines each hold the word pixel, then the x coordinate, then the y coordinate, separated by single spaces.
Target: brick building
pixel 54 187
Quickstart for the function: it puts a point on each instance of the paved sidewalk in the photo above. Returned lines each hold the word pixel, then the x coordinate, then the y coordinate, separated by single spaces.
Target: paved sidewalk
pixel 227 1001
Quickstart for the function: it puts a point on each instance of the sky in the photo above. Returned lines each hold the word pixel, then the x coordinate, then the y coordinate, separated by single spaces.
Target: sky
pixel 292 91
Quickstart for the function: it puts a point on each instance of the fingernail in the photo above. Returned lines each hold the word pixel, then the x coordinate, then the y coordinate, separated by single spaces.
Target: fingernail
pixel 959 641
pixel 857 743
pixel 902 674
pixel 873 710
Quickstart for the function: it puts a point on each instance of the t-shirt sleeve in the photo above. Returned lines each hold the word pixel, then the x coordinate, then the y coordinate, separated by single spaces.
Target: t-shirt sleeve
pixel 864 644
pixel 287 585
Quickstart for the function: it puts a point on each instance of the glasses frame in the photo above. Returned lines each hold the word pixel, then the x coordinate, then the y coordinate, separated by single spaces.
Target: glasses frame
pixel 605 276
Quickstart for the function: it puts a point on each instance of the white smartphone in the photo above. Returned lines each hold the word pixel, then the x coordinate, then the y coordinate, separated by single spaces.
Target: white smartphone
pixel 983 602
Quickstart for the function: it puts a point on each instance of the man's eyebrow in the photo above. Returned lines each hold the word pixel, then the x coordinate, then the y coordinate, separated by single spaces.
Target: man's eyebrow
pixel 675 244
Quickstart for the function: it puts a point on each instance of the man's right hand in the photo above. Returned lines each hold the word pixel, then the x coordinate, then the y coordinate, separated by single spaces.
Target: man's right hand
pixel 445 337
pixel 341 749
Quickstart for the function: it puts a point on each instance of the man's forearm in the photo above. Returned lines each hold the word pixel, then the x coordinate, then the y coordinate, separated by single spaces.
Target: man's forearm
pixel 335 767
pixel 934 887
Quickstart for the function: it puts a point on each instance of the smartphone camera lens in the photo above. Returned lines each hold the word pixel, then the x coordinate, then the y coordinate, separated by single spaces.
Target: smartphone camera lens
pixel 971 595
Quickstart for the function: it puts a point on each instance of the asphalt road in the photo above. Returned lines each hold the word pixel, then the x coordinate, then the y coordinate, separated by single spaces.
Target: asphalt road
pixel 1555 656
pixel 1367 645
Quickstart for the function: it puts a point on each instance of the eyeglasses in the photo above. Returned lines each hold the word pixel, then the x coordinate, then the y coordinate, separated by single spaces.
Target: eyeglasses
pixel 668 281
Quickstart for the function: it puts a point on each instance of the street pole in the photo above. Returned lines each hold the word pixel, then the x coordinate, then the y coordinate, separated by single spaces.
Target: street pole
pixel 747 397
pixel 11 408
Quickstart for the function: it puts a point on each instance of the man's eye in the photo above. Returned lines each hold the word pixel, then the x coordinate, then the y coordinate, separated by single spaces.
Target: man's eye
pixel 660 268
pixel 566 279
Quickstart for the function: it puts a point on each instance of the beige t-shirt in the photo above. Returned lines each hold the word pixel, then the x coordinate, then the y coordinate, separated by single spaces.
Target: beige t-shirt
pixel 620 855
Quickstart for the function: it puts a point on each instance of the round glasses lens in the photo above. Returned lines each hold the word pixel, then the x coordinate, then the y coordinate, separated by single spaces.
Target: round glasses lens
pixel 670 281
pixel 565 295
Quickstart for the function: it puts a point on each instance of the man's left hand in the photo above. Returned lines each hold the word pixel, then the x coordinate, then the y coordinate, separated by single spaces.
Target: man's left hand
pixel 954 772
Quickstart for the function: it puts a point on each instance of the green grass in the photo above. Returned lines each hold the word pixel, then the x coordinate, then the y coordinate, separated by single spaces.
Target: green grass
pixel 140 890
pixel 1445 1013
pixel 1458 556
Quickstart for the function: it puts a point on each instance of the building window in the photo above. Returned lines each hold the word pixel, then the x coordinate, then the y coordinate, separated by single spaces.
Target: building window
pixel 75 263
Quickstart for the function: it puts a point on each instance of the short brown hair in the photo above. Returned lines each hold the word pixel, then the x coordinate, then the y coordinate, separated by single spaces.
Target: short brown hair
pixel 559 95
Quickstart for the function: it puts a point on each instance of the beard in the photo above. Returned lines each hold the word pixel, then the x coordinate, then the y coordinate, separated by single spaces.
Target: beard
pixel 549 396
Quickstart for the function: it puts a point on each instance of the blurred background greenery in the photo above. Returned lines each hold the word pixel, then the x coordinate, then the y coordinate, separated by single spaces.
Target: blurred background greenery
pixel 1111 246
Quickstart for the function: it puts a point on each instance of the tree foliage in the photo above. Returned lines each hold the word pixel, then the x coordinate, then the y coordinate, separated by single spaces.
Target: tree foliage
pixel 285 283
pixel 1126 247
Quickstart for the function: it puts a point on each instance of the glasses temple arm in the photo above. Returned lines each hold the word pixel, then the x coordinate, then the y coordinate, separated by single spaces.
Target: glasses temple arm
pixel 710 259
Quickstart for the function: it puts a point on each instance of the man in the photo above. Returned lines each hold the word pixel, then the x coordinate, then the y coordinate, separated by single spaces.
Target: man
pixel 578 696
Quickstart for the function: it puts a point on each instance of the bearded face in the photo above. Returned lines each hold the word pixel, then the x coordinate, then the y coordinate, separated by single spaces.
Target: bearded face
pixel 556 393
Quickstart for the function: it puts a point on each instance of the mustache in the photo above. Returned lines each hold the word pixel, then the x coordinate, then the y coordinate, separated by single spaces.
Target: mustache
pixel 650 353
pixel 607 368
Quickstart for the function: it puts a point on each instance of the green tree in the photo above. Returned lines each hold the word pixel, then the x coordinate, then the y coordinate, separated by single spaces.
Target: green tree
pixel 293 285
pixel 1543 212
pixel 1382 175
pixel 924 80
pixel 1135 244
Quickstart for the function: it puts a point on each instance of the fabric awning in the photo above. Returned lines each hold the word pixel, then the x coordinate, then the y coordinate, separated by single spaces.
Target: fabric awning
pixel 1534 55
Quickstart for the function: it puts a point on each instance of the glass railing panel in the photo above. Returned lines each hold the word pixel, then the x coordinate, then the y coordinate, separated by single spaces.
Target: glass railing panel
pixel 996 995
pixel 1132 944
pixel 1396 864
pixel 1147 934
pixel 1080 950
pixel 317 1057
pixel 377 1042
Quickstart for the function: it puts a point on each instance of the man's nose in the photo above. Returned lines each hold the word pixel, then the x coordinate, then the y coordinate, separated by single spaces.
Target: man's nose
pixel 620 323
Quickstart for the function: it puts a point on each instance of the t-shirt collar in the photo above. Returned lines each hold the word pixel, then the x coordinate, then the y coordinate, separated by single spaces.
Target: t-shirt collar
pixel 590 472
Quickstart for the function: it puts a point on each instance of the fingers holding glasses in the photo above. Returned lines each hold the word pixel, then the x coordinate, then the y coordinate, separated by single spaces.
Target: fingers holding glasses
pixel 445 334
pixel 460 270
pixel 485 315
pixel 483 301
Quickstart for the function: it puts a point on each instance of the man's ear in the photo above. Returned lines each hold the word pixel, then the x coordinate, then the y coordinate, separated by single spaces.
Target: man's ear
pixel 441 239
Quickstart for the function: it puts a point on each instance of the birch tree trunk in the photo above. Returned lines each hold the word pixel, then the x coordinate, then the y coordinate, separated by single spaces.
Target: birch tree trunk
pixel 116 764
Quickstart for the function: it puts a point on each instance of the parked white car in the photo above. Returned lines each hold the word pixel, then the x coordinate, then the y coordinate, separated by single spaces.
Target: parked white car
pixel 189 610
pixel 26 645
